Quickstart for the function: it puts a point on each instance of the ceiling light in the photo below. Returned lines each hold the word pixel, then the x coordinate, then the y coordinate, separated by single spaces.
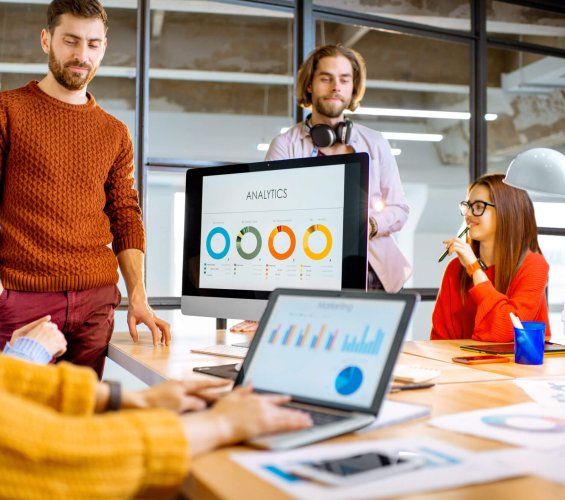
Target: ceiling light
pixel 262 147
pixel 396 151
pixel 408 136
pixel 419 113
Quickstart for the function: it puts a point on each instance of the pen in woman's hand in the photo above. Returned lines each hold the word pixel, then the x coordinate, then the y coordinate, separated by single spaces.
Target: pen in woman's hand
pixel 460 235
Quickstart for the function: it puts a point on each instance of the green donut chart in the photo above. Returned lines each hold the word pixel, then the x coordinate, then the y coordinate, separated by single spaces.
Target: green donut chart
pixel 259 242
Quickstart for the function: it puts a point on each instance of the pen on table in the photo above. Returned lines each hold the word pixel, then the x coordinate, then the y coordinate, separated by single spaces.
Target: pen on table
pixel 409 387
pixel 461 234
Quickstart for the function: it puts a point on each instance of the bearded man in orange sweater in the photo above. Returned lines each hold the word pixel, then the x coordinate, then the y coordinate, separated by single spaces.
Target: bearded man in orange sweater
pixel 66 193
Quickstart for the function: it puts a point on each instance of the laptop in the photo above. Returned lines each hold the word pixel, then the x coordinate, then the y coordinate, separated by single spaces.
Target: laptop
pixel 333 352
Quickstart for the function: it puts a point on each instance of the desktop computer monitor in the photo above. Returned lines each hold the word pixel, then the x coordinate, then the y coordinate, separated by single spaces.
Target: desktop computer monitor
pixel 254 227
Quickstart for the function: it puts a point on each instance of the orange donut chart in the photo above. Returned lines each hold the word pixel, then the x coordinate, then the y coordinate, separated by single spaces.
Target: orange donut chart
pixel 292 246
pixel 327 248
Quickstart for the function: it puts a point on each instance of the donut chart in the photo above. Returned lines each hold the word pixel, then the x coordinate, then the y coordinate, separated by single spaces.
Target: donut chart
pixel 284 255
pixel 218 249
pixel 258 242
pixel 222 232
pixel 528 423
pixel 305 242
pixel 348 380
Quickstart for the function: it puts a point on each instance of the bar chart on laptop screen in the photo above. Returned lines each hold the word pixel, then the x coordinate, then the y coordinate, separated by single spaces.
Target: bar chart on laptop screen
pixel 332 349
pixel 327 339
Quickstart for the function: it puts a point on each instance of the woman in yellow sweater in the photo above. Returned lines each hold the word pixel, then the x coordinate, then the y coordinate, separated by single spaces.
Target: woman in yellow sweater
pixel 54 445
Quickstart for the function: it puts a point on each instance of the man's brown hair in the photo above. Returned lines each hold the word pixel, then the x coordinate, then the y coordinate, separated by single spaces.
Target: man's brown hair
pixel 307 70
pixel 79 8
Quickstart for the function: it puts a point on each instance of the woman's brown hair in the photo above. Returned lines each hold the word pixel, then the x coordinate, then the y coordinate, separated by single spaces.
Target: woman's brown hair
pixel 516 230
pixel 307 70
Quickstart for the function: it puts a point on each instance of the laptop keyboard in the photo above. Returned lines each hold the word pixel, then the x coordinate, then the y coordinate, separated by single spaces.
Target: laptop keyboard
pixel 321 418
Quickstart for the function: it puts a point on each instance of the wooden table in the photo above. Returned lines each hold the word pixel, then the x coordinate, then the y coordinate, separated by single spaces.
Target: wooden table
pixel 444 399
pixel 153 364
pixel 443 350
pixel 460 388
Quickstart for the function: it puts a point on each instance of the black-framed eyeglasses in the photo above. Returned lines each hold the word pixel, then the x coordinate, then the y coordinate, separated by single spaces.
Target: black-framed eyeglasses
pixel 477 207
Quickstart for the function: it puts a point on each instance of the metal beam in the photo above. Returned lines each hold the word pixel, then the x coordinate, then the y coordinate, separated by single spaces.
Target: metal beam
pixel 349 35
pixel 478 91
pixel 233 77
pixel 304 42
pixel 552 5
pixel 256 8
pixel 142 101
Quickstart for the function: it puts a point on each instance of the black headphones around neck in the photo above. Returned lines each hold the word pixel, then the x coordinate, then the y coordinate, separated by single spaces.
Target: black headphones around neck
pixel 325 136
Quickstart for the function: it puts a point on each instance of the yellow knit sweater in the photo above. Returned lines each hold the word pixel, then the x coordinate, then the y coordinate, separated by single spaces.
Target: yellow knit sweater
pixel 52 446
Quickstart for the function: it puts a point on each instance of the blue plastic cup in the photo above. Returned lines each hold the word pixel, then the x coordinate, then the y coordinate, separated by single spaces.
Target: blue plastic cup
pixel 529 343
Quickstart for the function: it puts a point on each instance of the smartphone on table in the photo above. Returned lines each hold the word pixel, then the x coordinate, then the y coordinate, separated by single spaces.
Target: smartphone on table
pixel 346 471
pixel 478 360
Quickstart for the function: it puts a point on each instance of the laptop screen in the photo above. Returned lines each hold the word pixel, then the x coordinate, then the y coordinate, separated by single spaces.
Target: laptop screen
pixel 327 349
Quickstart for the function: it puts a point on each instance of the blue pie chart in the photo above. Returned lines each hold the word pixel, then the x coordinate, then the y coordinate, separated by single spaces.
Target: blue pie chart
pixel 348 380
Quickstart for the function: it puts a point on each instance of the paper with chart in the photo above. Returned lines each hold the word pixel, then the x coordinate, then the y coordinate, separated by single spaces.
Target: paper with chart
pixel 396 412
pixel 445 467
pixel 527 424
pixel 266 230
pixel 547 393
pixel 547 464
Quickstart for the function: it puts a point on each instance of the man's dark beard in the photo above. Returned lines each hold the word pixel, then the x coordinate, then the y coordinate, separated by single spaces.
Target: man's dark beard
pixel 329 111
pixel 65 77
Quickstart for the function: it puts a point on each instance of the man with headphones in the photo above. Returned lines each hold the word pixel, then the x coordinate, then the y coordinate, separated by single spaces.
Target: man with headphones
pixel 331 80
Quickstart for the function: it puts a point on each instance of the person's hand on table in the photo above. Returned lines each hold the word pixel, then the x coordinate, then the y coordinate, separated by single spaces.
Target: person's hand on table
pixel 140 312
pixel 239 416
pixel 247 326
pixel 248 414
pixel 176 395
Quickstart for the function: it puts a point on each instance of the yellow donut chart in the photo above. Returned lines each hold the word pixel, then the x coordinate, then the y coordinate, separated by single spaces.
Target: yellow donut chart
pixel 317 255
pixel 292 246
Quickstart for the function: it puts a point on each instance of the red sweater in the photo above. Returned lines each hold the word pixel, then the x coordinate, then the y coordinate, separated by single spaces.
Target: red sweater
pixel 66 193
pixel 485 315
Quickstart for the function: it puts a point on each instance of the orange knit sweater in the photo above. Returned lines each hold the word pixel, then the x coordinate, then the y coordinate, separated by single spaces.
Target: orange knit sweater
pixel 66 193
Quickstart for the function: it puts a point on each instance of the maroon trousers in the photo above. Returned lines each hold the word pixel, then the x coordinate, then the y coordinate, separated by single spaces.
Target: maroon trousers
pixel 86 317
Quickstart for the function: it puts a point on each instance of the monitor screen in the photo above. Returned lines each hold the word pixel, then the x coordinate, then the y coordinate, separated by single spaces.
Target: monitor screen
pixel 252 228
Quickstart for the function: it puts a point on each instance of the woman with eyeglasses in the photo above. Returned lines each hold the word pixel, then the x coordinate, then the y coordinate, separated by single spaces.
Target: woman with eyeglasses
pixel 499 268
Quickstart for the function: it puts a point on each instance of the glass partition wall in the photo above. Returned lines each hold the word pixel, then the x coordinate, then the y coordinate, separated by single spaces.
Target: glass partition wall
pixel 526 91
pixel 220 87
